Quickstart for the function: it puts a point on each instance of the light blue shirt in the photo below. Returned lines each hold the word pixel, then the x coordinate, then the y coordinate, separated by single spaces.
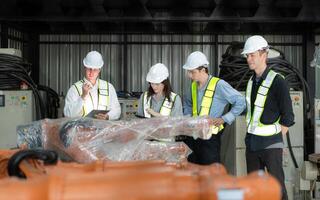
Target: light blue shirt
pixel 224 94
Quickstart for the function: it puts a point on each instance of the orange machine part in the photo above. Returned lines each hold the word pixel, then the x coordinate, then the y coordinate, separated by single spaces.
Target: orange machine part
pixel 140 182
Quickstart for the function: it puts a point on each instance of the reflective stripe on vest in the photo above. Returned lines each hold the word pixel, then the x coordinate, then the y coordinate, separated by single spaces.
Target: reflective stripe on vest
pixel 206 102
pixel 103 95
pixel 166 106
pixel 253 120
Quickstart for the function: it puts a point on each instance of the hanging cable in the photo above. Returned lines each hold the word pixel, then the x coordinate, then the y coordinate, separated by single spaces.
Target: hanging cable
pixel 14 71
pixel 235 70
pixel 52 101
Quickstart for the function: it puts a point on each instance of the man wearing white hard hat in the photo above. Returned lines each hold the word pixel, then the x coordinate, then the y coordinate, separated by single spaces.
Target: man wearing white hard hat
pixel 92 93
pixel 159 100
pixel 209 96
pixel 269 112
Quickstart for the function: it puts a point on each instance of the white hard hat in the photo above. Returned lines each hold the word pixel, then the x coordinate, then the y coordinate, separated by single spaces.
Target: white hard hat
pixel 157 73
pixel 255 43
pixel 93 60
pixel 195 60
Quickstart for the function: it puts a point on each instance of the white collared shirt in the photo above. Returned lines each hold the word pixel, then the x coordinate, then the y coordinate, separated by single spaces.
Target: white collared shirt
pixel 74 102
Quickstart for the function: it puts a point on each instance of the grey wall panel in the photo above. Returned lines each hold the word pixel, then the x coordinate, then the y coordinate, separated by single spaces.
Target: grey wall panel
pixel 61 64
pixel 142 57
pixel 16 41
pixel 54 75
pixel 15 44
pixel 137 67
pixel 293 54
pixel 317 88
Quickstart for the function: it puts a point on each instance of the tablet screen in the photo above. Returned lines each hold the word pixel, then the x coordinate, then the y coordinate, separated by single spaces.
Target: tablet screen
pixel 93 113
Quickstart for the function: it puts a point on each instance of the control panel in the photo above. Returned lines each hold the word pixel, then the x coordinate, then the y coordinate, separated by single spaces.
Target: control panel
pixel 129 108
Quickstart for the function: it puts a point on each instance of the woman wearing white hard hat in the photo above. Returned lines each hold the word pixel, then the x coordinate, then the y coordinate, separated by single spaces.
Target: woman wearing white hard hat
pixel 92 93
pixel 159 100
pixel 208 95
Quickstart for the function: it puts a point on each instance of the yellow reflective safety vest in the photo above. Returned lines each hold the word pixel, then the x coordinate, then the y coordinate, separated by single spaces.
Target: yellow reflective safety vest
pixel 166 107
pixel 254 125
pixel 206 102
pixel 103 97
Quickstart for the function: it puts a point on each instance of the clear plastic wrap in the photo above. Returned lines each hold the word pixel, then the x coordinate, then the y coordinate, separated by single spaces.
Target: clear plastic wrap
pixel 316 58
pixel 85 140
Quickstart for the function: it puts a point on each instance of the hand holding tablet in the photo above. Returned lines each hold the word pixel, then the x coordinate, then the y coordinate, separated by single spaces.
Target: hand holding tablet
pixel 98 114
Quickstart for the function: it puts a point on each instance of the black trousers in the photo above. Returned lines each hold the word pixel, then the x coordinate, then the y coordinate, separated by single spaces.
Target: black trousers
pixel 204 152
pixel 270 159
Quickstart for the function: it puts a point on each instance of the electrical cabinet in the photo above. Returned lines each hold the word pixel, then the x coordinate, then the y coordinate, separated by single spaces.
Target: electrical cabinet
pixel 129 108
pixel 16 108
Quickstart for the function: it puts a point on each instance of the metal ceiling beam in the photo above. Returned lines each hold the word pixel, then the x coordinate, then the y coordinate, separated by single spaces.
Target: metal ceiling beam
pixel 147 12
pixel 267 9
pixel 70 8
pixel 154 19
pixel 52 8
pixel 309 11
pixel 97 7
pixel 223 9
pixel 289 8
pixel 144 7
pixel 197 26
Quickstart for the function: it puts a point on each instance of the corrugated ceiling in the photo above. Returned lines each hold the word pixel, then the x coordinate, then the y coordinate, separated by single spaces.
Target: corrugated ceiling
pixel 161 16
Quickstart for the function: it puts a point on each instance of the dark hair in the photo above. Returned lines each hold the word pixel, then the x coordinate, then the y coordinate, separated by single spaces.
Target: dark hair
pixel 263 51
pixel 205 68
pixel 167 89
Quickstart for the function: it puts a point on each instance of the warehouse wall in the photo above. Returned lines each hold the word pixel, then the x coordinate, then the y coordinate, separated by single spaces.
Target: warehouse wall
pixel 61 59
pixel 15 39
pixel 317 86
pixel 132 55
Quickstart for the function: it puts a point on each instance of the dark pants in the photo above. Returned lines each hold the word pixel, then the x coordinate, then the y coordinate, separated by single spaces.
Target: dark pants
pixel 204 152
pixel 270 159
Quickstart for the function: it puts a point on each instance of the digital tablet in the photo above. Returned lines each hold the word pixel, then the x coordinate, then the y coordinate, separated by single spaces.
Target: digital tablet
pixel 93 113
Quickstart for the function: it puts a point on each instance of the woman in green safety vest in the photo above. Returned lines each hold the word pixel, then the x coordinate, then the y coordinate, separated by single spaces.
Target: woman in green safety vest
pixel 159 100
pixel 208 95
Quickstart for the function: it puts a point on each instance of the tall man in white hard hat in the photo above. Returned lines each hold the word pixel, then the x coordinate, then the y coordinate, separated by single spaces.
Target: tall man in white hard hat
pixel 92 93
pixel 209 95
pixel 269 112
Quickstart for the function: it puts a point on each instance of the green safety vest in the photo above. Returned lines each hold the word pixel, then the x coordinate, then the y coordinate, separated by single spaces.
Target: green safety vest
pixel 166 106
pixel 254 125
pixel 103 96
pixel 206 102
